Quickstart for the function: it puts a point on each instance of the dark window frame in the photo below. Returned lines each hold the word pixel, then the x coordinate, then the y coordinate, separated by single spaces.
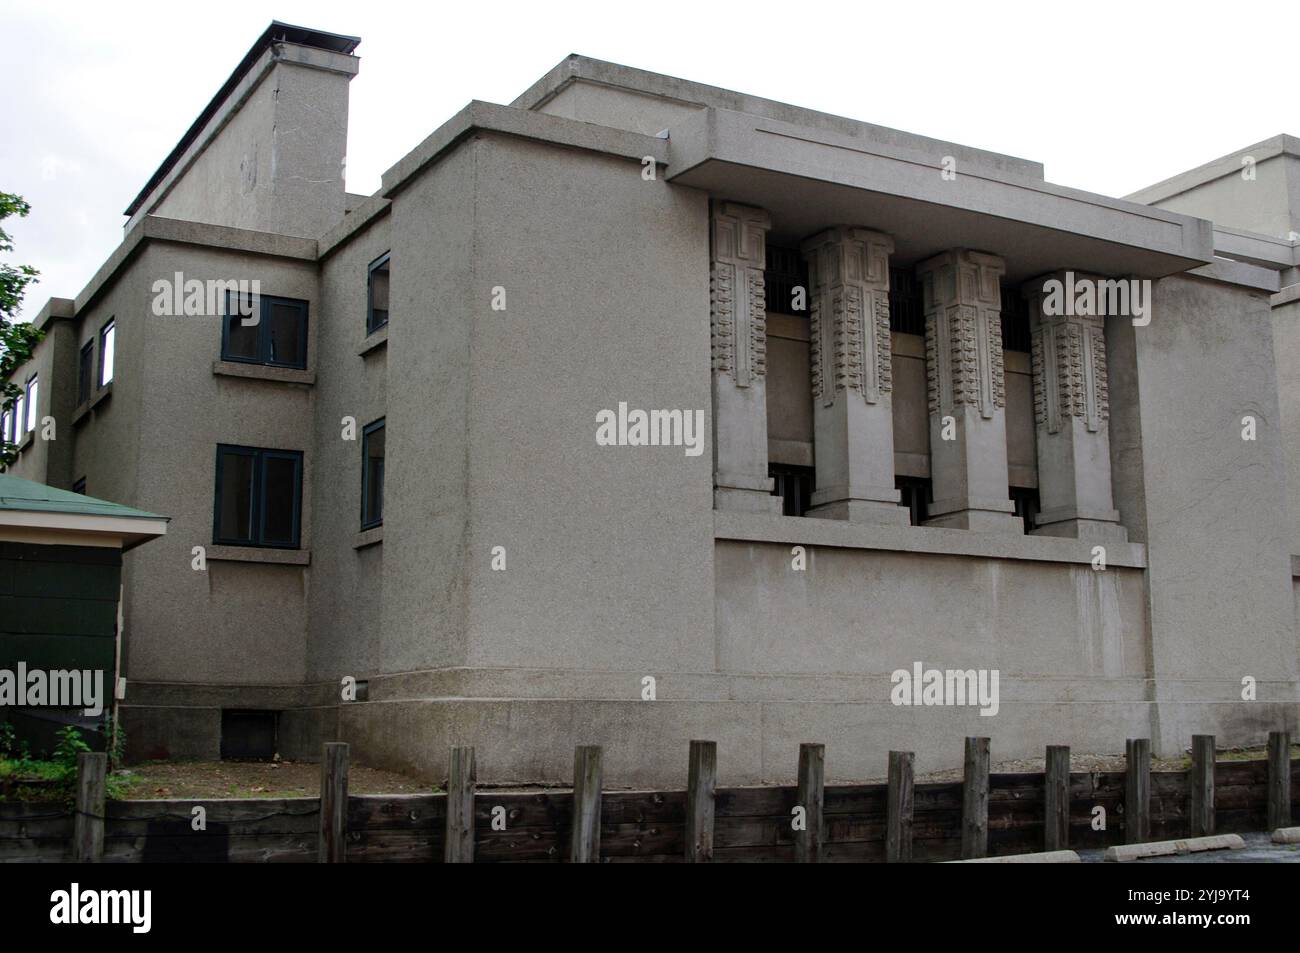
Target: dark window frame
pixel 257 516
pixel 379 263
pixel 29 408
pixel 79 486
pixel 794 486
pixel 109 325
pixel 86 372
pixel 366 434
pixel 263 332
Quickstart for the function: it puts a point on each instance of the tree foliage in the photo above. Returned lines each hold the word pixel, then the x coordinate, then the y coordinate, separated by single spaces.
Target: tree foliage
pixel 17 338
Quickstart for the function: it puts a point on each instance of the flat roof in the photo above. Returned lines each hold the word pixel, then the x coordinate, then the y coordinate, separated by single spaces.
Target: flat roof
pixel 277 32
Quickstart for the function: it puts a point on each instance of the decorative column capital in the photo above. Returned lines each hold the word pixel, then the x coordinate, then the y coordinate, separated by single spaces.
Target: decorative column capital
pixel 1069 357
pixel 737 296
pixel 963 331
pixel 848 269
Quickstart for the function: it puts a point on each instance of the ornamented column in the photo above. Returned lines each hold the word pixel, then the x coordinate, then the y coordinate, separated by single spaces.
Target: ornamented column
pixel 738 328
pixel 963 362
pixel 1071 416
pixel 852 378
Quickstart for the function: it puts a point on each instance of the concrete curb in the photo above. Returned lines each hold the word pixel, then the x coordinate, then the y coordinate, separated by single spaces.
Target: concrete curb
pixel 1286 835
pixel 1048 857
pixel 1166 848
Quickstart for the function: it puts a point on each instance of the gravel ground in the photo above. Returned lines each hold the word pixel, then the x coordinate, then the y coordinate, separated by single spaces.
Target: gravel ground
pixel 255 779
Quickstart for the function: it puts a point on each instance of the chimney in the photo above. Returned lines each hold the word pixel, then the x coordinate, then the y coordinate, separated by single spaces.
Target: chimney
pixel 268 151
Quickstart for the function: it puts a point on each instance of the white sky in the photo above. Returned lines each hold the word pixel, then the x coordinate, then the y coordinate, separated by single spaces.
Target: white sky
pixel 1110 96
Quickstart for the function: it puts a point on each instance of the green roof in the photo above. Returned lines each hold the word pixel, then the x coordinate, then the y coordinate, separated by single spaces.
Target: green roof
pixel 17 494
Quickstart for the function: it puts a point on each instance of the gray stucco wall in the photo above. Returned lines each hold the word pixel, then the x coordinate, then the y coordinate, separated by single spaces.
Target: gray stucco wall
pixel 429 367
pixel 1286 349
pixel 609 548
pixel 1219 576
pixel 345 617
pixel 277 166
pixel 239 622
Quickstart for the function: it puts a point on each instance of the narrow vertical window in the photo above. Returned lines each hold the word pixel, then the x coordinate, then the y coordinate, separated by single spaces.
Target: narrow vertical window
pixel 377 294
pixel 20 416
pixel 85 372
pixel 33 392
pixel 107 341
pixel 372 475
pixel 5 420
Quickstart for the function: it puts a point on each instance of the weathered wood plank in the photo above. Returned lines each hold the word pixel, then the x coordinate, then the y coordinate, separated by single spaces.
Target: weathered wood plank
pixel 1279 779
pixel 810 835
pixel 333 845
pixel 975 799
pixel 462 779
pixel 1137 790
pixel 584 844
pixel 88 822
pixel 1200 781
pixel 1056 795
pixel 701 783
pixel 898 827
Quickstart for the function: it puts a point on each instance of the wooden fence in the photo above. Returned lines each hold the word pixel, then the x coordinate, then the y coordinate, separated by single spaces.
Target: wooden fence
pixel 983 815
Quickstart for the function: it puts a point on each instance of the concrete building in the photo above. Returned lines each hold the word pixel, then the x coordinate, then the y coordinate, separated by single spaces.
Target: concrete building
pixel 908 454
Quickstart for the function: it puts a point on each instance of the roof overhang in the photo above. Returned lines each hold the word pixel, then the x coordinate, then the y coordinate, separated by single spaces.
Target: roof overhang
pixel 78 529
pixel 809 179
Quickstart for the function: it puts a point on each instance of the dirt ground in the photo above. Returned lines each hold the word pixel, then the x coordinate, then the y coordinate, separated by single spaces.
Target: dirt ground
pixel 253 779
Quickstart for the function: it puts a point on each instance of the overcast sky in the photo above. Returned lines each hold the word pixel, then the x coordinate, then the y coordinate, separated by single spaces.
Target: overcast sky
pixel 1109 96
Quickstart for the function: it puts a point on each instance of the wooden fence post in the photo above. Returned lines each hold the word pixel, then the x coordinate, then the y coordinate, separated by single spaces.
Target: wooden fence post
pixel 584 847
pixel 88 823
pixel 898 812
pixel 1200 779
pixel 701 781
pixel 1279 779
pixel 1056 778
pixel 975 800
pixel 1137 790
pixel 333 845
pixel 461 780
pixel 811 796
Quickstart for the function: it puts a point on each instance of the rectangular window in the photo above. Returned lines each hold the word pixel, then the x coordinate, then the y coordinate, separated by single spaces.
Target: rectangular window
pixel 6 420
pixel 278 337
pixel 914 493
pixel 85 372
pixel 906 307
pixel 1026 502
pixel 258 497
pixel 794 485
pixel 1015 321
pixel 785 281
pixel 107 341
pixel 372 475
pixel 377 294
pixel 33 395
pixel 20 416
